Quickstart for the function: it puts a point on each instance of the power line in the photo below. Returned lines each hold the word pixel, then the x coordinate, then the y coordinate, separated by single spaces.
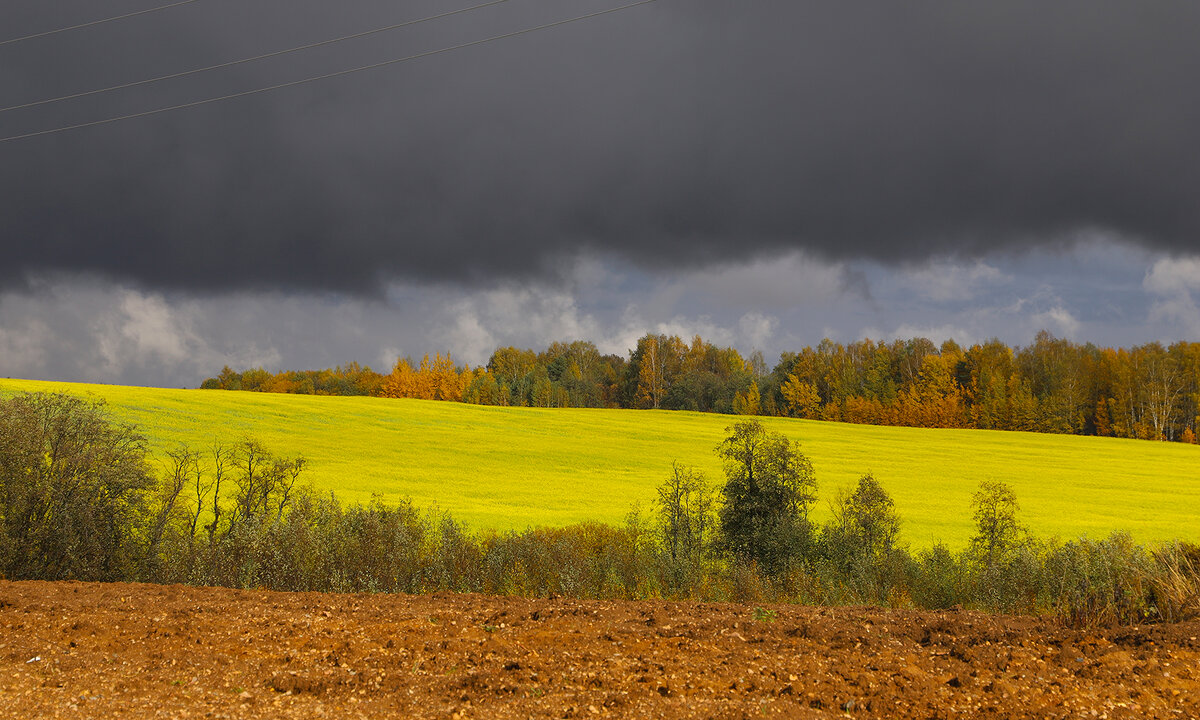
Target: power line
pixel 96 22
pixel 264 56
pixel 327 76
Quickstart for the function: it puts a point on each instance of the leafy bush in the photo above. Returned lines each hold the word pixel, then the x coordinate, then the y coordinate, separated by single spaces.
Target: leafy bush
pixel 73 490
pixel 1090 581
pixel 939 579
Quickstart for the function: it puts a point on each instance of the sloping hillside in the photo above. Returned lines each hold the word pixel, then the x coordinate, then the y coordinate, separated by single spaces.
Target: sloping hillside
pixel 514 467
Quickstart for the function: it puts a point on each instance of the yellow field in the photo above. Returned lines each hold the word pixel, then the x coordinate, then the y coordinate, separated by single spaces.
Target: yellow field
pixel 515 467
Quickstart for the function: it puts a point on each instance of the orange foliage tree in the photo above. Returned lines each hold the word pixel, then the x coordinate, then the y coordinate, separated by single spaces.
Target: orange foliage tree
pixel 438 379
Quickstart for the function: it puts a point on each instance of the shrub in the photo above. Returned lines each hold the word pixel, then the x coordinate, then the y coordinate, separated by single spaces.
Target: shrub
pixel 1175 583
pixel 938 580
pixel 73 487
pixel 858 544
pixel 1105 581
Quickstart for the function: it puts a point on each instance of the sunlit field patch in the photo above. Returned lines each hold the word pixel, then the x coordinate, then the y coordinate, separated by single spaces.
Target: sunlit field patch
pixel 510 468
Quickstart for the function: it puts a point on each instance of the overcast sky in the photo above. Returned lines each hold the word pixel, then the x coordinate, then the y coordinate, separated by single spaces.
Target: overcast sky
pixel 765 173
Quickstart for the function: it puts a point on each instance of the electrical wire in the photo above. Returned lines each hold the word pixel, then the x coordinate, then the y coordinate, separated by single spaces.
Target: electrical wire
pixel 96 22
pixel 243 61
pixel 326 76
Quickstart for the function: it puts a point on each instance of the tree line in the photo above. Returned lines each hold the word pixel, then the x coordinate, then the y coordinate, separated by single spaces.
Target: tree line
pixel 352 379
pixel 80 499
pixel 1053 385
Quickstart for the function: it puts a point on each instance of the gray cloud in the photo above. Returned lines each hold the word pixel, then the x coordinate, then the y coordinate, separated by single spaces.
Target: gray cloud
pixel 678 134
pixel 64 329
pixel 1176 285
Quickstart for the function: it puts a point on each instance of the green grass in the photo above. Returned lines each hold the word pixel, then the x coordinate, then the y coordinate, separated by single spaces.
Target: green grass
pixel 516 467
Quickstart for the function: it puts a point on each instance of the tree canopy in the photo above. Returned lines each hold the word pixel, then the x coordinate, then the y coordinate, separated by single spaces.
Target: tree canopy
pixel 769 487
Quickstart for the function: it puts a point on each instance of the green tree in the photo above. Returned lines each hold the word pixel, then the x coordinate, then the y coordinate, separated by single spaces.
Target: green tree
pixel 769 488
pixel 72 490
pixel 997 531
pixel 860 542
pixel 865 521
pixel 685 510
pixel 685 522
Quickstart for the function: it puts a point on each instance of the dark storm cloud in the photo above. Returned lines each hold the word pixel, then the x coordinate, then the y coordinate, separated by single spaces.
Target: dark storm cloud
pixel 683 132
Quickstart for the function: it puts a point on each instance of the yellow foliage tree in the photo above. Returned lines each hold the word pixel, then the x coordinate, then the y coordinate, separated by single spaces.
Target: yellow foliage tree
pixel 650 376
pixel 402 381
pixel 935 399
pixel 436 379
pixel 445 382
pixel 749 402
pixel 802 397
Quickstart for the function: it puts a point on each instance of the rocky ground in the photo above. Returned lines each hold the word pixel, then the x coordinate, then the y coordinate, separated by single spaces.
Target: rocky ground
pixel 85 650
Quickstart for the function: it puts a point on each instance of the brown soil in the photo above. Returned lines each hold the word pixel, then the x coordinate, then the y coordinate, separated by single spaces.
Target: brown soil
pixel 94 650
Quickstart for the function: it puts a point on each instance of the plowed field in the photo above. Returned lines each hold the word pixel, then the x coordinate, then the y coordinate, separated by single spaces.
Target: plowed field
pixel 132 651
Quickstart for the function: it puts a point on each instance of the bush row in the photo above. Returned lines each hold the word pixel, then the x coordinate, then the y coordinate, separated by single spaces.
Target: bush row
pixel 78 500
pixel 319 545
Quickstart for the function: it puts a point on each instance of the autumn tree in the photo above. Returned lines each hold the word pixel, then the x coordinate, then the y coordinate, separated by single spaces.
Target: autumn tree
pixel 708 379
pixel 1052 385
pixel 934 398
pixel 402 382
pixel 1054 369
pixel 651 381
pixel 989 367
pixel 1162 386
pixel 446 381
pixel 749 402
pixel 484 390
pixel 801 396
pixel 350 379
pixel 436 379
